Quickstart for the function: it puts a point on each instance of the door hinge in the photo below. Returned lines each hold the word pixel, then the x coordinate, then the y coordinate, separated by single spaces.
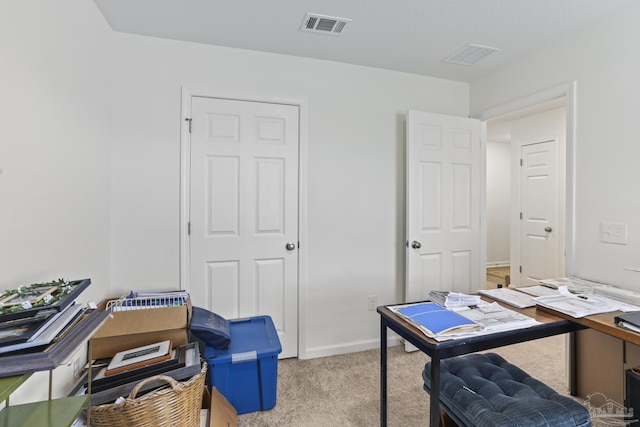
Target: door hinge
pixel 520 215
pixel 521 162
pixel 189 228
pixel 189 120
pixel 520 269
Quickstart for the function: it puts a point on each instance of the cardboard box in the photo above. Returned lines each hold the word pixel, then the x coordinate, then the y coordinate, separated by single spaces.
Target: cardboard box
pixel 219 410
pixel 124 330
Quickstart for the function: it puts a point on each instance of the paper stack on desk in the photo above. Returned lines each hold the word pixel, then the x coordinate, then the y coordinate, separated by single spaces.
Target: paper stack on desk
pixel 573 284
pixel 576 305
pixel 453 299
pixel 444 324
pixel 509 296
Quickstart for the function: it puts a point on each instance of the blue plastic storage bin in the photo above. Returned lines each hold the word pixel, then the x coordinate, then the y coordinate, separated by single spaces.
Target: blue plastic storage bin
pixel 247 372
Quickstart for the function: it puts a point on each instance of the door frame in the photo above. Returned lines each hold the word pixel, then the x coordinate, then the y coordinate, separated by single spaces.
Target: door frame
pixel 569 92
pixel 185 200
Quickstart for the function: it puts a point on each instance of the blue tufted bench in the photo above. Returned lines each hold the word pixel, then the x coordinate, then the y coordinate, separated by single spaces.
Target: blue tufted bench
pixel 482 390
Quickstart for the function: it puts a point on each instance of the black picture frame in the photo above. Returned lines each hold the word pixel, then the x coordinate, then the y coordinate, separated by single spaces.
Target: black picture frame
pixel 78 286
pixel 46 359
pixel 17 333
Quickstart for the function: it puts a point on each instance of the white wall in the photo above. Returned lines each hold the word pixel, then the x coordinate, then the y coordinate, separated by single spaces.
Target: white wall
pixel 607 149
pixel 498 202
pixel 55 73
pixel 355 206
pixel 54 150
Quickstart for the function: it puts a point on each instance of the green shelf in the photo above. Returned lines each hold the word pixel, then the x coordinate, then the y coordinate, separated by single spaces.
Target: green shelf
pixel 9 384
pixel 49 413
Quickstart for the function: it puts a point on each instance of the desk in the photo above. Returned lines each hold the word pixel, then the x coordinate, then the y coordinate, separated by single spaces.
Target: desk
pixel 602 322
pixel 550 324
pixel 602 371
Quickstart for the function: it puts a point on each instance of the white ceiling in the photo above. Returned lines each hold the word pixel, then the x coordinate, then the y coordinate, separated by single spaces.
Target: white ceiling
pixel 413 36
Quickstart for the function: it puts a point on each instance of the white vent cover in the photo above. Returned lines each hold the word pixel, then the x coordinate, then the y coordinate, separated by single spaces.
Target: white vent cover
pixel 324 24
pixel 470 54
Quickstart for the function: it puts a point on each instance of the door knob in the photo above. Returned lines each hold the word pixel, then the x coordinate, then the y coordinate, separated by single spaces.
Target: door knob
pixel 548 229
pixel 290 246
pixel 416 245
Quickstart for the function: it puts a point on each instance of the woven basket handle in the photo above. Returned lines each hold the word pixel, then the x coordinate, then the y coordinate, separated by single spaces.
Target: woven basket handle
pixel 142 383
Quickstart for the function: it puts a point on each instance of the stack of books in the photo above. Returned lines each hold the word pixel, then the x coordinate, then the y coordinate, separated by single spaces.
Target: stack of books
pixel 34 316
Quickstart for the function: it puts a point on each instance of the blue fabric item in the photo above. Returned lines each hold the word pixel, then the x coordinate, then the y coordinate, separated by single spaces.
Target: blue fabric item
pixel 211 328
pixel 484 390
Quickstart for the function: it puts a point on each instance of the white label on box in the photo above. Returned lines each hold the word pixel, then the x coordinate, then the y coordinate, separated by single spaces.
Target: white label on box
pixel 248 356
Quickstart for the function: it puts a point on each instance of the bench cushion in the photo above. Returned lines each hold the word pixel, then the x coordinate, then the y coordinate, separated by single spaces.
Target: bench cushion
pixel 484 390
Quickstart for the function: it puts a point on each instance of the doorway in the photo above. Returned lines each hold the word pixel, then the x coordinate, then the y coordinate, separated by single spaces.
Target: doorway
pixel 507 245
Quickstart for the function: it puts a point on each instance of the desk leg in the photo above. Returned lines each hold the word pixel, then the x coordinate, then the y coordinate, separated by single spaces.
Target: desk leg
pixel 434 395
pixel 383 374
pixel 573 368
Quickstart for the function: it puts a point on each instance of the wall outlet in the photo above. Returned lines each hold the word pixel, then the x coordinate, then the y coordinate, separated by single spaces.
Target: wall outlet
pixel 373 302
pixel 614 233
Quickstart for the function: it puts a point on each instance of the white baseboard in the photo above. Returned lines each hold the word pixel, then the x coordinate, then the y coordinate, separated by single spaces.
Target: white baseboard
pixel 334 350
pixel 498 264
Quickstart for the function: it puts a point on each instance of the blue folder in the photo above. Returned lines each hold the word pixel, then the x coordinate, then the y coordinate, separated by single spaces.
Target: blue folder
pixel 436 318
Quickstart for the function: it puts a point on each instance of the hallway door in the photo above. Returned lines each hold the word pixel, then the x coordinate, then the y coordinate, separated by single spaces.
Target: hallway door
pixel 540 218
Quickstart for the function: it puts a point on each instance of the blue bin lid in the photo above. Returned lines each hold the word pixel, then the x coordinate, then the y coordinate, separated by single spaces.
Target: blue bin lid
pixel 255 335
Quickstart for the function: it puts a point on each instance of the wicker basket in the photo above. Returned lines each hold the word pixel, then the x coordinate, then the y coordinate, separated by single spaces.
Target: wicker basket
pixel 176 406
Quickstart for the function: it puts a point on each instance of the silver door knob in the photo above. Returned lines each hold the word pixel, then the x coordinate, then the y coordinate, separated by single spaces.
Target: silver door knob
pixel 416 245
pixel 290 246
pixel 548 229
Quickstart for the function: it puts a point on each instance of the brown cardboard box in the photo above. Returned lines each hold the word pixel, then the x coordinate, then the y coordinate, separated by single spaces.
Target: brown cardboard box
pixel 221 412
pixel 129 329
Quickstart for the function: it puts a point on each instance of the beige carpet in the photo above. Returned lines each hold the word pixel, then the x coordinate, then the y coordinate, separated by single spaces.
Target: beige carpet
pixel 344 390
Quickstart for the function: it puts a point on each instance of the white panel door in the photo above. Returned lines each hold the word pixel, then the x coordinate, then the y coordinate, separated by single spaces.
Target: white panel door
pixel 539 212
pixel 444 160
pixel 244 212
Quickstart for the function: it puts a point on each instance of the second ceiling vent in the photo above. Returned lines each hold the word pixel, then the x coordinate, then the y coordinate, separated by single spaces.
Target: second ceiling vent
pixel 470 54
pixel 324 24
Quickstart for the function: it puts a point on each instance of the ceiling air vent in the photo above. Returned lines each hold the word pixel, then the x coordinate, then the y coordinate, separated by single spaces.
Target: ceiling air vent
pixel 323 24
pixel 470 54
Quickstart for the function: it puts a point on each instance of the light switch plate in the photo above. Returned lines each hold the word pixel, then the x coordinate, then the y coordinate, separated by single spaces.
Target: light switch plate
pixel 614 233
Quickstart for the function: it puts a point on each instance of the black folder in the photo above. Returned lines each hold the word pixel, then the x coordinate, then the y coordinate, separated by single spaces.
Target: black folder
pixel 628 320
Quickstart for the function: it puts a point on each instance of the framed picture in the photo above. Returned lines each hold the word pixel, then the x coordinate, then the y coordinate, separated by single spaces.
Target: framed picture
pixel 139 357
pixel 21 330
pixel 15 334
pixel 27 302
pixel 39 359
pixel 19 334
pixel 33 295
